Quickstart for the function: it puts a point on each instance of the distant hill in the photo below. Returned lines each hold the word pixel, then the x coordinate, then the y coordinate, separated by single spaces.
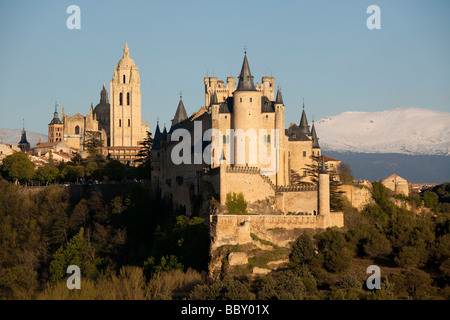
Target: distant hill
pixel 12 136
pixel 415 168
pixel 412 131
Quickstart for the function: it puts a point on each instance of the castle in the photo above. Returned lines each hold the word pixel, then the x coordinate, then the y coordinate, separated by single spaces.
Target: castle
pixel 117 123
pixel 247 121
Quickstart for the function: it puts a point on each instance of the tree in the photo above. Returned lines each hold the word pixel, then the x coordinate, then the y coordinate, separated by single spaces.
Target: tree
pixel 18 167
pixel 302 250
pixel 76 252
pixel 336 251
pixel 92 142
pixel 114 170
pixel 345 173
pixel 47 173
pixel 144 155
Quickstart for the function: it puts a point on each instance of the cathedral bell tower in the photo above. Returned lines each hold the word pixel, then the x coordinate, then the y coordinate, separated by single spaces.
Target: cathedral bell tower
pixel 126 124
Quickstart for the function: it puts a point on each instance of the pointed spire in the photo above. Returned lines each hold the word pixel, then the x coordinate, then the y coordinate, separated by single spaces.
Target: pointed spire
pixel 315 140
pixel 63 112
pixel 304 126
pixel 157 131
pixel 279 98
pixel 245 77
pixel 91 110
pixel 40 139
pixel 164 134
pixel 126 51
pixel 180 114
pixel 104 95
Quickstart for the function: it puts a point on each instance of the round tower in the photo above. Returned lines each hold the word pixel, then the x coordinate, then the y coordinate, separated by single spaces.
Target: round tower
pixel 324 190
pixel 246 116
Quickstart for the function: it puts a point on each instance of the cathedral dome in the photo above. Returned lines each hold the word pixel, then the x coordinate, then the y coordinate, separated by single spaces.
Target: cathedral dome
pixel 126 60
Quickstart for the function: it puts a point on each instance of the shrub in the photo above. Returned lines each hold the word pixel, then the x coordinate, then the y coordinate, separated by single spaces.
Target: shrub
pixel 348 281
pixel 302 250
pixel 408 256
pixel 236 204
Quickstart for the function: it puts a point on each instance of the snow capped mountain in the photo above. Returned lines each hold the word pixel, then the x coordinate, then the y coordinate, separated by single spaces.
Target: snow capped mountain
pixel 411 131
pixel 12 136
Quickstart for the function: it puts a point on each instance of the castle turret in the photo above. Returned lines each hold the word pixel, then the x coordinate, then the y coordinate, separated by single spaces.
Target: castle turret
pixel 324 190
pixel 279 125
pixel 246 115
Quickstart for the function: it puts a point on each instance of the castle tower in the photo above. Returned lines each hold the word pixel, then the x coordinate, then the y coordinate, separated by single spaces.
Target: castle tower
pixel 246 116
pixel 24 145
pixel 324 190
pixel 55 128
pixel 126 124
pixel 279 125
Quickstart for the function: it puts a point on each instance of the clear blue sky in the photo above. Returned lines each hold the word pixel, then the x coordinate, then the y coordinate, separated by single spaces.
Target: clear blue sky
pixel 319 50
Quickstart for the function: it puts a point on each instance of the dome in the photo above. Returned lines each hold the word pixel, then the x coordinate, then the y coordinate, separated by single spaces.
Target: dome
pixel 126 60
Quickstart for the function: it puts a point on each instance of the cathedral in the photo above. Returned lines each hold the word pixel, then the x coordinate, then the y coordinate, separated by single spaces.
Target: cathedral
pixel 249 121
pixel 116 121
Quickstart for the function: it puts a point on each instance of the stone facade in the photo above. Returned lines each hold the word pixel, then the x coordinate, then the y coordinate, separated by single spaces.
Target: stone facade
pixel 397 184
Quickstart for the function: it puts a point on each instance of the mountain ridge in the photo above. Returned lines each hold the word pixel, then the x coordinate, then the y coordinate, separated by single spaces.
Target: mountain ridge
pixel 413 131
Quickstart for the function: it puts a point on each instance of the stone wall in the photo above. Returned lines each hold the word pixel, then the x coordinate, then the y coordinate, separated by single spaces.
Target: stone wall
pixel 358 197
pixel 295 201
pixel 236 229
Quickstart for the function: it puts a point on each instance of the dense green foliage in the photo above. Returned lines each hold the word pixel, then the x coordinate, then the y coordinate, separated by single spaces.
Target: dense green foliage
pixel 131 245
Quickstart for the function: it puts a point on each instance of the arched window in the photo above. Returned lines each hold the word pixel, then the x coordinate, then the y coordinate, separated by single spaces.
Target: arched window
pixel 123 78
pixel 120 99
pixel 128 98
pixel 77 130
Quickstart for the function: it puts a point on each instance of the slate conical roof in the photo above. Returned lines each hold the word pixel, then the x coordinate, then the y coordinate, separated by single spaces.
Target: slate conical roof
pixel 279 98
pixel 315 140
pixel 164 134
pixel 245 78
pixel 156 140
pixel 304 126
pixel 180 115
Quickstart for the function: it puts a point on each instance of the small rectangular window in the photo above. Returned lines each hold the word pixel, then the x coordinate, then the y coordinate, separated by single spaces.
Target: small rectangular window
pixel 120 122
pixel 268 138
pixel 304 153
pixel 224 139
pixel 129 122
